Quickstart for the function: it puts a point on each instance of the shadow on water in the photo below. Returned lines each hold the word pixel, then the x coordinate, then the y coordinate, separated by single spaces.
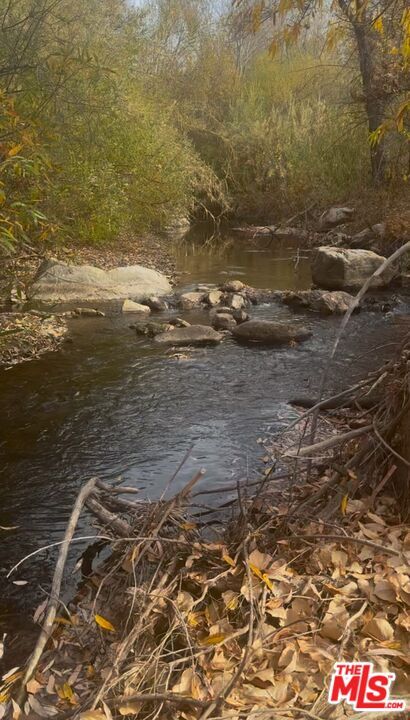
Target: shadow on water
pixel 111 403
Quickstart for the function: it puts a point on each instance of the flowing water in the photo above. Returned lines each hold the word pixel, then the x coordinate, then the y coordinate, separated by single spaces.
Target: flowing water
pixel 110 403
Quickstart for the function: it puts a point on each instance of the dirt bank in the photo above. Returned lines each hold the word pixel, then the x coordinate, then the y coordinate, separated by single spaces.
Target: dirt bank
pixel 24 336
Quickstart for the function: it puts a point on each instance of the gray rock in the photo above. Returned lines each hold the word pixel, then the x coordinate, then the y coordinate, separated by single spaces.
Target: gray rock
pixel 234 286
pixel 223 321
pixel 338 268
pixel 129 306
pixel 190 300
pixel 156 304
pixel 323 301
pixel 152 329
pixel 193 335
pixel 369 237
pixel 237 302
pixel 335 216
pixel 88 312
pixel 214 297
pixel 266 332
pixel 240 316
pixel 179 322
pixel 57 282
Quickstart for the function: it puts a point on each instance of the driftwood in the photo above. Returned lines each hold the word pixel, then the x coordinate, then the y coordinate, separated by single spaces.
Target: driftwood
pixel 56 586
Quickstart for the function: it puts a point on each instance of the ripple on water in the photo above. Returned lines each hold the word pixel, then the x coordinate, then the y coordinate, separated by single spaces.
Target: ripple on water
pixel 113 404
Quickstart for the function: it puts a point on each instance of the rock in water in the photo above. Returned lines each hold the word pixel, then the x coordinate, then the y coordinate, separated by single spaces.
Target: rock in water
pixel 323 301
pixel 223 321
pixel 133 307
pixel 338 268
pixel 234 286
pixel 57 282
pixel 190 300
pixel 237 302
pixel 88 312
pixel 214 297
pixel 266 332
pixel 335 216
pixel 151 328
pixel 157 304
pixel 192 335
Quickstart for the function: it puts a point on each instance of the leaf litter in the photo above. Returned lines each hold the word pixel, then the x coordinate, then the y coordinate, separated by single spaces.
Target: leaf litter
pixel 188 621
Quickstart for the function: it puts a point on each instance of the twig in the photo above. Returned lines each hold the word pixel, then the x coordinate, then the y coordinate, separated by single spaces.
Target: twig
pixel 342 539
pixel 151 697
pixel 55 588
pixel 330 442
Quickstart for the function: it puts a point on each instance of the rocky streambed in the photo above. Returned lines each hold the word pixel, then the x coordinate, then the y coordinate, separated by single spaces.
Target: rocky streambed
pixel 116 401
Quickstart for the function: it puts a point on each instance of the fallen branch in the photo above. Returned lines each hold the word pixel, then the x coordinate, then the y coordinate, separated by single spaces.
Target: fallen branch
pixel 330 442
pixel 55 588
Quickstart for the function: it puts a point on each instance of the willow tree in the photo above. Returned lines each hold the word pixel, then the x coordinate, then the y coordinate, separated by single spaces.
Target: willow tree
pixel 379 33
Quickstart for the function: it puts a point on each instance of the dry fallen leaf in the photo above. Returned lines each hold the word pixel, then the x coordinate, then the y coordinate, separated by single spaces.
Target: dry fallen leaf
pixel 379 628
pixel 100 620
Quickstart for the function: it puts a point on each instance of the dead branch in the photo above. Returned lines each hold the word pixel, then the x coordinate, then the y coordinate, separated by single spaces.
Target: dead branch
pixel 55 587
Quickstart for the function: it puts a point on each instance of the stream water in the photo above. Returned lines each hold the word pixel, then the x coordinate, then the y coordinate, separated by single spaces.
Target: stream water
pixel 111 403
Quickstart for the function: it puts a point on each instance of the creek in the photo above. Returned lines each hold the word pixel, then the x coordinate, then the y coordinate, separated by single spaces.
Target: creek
pixel 110 403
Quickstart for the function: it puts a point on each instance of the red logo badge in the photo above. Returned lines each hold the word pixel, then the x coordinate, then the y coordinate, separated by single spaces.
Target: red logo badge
pixel 365 690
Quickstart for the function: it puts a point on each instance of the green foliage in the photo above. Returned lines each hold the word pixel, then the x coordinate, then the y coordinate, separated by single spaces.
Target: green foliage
pixel 115 117
pixel 290 143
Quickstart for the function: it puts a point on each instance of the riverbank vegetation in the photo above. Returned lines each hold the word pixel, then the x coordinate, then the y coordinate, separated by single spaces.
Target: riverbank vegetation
pixel 118 118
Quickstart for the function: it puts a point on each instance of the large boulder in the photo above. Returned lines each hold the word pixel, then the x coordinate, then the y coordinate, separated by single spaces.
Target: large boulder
pixel 57 282
pixel 323 301
pixel 266 332
pixel 338 268
pixel 192 335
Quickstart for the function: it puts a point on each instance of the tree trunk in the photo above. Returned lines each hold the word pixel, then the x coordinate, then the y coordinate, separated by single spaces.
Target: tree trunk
pixel 373 102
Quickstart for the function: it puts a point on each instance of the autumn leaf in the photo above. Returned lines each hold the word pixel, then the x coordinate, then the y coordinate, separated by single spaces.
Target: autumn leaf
pixel 65 692
pixel 14 150
pixel 343 504
pixel 378 25
pixel 213 639
pixel 102 622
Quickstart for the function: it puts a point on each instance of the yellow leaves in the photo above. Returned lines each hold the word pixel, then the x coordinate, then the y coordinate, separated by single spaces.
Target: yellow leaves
pixel 14 150
pixel 228 560
pixel 231 599
pixel 262 576
pixel 256 17
pixel 65 692
pixel 213 639
pixel 378 26
pixel 343 504
pixel 102 622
